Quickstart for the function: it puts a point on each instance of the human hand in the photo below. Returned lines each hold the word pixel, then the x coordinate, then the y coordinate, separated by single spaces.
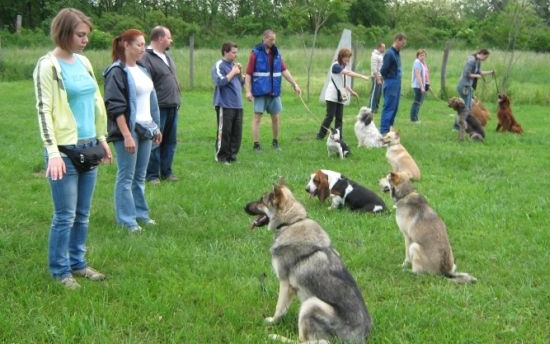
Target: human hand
pixel 157 139
pixel 108 159
pixel 56 168
pixel 129 144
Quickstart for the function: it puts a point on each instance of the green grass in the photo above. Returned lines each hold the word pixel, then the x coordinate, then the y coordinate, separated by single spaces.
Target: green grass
pixel 198 276
pixel 527 77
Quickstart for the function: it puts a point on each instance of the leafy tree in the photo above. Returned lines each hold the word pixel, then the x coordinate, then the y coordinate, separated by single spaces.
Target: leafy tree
pixel 368 13
pixel 311 16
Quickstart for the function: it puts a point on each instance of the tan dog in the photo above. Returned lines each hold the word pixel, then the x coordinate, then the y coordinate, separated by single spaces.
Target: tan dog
pixel 398 157
pixel 480 112
pixel 427 246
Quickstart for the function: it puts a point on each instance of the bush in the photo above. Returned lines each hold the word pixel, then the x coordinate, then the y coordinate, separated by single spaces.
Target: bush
pixel 100 40
pixel 27 38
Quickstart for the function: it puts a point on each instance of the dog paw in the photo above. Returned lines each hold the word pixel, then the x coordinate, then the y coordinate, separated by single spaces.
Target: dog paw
pixel 270 320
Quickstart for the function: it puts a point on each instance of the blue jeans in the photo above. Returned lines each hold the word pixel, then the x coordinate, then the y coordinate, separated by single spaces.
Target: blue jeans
pixel 466 93
pixel 415 107
pixel 130 203
pixel 162 156
pixel 72 199
pixel 392 92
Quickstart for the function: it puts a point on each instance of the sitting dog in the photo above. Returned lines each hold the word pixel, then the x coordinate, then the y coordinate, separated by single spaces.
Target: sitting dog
pixel 365 130
pixel 343 191
pixel 335 144
pixel 398 157
pixel 506 120
pixel 427 246
pixel 307 266
pixel 467 123
pixel 480 112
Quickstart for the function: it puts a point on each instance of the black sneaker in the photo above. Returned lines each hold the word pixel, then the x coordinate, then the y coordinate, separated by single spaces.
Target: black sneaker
pixel 275 145
pixel 257 147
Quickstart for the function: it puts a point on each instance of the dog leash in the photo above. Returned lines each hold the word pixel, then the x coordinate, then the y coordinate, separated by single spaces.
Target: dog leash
pixel 496 84
pixel 314 115
pixel 311 112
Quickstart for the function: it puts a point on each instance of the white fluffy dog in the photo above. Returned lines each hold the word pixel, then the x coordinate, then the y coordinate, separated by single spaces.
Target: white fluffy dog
pixel 365 130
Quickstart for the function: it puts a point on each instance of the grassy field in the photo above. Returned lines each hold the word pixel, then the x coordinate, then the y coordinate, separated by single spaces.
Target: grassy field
pixel 198 277
pixel 526 74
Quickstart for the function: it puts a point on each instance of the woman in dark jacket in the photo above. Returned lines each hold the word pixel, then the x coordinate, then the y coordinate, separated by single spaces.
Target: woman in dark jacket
pixel 133 113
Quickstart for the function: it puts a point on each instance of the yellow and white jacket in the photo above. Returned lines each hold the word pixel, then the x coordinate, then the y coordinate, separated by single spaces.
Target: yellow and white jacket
pixel 55 119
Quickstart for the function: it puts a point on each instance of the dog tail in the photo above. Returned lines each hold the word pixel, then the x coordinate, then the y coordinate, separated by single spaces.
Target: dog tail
pixel 460 277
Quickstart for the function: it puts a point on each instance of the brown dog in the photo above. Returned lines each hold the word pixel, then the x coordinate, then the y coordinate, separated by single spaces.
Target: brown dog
pixel 506 121
pixel 480 112
pixel 467 123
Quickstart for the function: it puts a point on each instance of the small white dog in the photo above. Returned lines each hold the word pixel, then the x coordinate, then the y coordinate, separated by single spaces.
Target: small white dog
pixel 335 144
pixel 365 130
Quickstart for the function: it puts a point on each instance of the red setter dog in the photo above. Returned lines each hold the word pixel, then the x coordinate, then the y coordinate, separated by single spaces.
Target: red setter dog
pixel 480 112
pixel 506 121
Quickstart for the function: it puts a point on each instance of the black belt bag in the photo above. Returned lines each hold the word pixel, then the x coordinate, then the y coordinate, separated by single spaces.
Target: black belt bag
pixel 84 159
pixel 147 130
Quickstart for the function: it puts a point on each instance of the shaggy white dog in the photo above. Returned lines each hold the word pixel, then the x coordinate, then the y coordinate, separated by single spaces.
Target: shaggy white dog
pixel 365 130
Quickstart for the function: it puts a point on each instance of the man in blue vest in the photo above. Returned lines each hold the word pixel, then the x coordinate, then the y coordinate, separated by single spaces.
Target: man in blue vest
pixel 263 85
pixel 391 72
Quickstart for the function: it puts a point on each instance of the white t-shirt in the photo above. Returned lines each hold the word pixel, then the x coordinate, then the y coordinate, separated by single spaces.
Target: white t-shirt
pixel 144 87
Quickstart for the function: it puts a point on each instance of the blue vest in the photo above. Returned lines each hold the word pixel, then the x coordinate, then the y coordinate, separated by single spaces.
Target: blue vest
pixel 266 81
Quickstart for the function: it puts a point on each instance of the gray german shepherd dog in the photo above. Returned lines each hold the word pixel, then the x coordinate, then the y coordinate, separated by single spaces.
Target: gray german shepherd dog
pixel 427 246
pixel 307 266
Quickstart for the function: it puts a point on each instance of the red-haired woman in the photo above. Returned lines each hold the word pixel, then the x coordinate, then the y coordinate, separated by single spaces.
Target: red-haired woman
pixel 340 76
pixel 133 114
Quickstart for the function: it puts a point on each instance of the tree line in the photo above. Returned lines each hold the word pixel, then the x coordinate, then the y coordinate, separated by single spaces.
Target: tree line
pixel 501 24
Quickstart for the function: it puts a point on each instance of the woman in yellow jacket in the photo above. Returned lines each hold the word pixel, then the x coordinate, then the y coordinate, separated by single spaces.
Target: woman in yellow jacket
pixel 71 114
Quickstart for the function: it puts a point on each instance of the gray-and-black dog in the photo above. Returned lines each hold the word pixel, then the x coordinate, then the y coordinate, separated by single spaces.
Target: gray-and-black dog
pixel 307 266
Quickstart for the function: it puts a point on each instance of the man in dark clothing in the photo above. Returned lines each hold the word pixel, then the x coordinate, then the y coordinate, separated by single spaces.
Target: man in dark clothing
pixel 163 72
pixel 228 77
pixel 391 72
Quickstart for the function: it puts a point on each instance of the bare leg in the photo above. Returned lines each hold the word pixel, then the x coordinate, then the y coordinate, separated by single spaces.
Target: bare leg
pixel 256 127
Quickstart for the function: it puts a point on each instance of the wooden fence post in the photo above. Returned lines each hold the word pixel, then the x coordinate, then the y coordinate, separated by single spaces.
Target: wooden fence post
pixel 443 91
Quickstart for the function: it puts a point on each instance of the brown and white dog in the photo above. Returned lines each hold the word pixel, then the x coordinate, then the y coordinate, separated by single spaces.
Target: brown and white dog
pixel 506 120
pixel 480 112
pixel 343 192
pixel 398 157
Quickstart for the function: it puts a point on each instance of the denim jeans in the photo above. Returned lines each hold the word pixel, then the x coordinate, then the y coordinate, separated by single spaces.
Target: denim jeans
pixel 162 156
pixel 415 107
pixel 130 203
pixel 72 198
pixel 467 94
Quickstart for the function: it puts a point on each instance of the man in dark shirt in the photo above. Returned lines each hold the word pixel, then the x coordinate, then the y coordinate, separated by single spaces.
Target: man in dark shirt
pixel 391 72
pixel 163 72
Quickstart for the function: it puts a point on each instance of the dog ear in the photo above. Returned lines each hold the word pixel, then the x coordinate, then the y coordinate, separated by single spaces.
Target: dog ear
pixel 395 177
pixel 323 188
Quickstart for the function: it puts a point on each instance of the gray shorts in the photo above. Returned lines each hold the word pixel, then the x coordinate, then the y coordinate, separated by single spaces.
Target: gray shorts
pixel 271 105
